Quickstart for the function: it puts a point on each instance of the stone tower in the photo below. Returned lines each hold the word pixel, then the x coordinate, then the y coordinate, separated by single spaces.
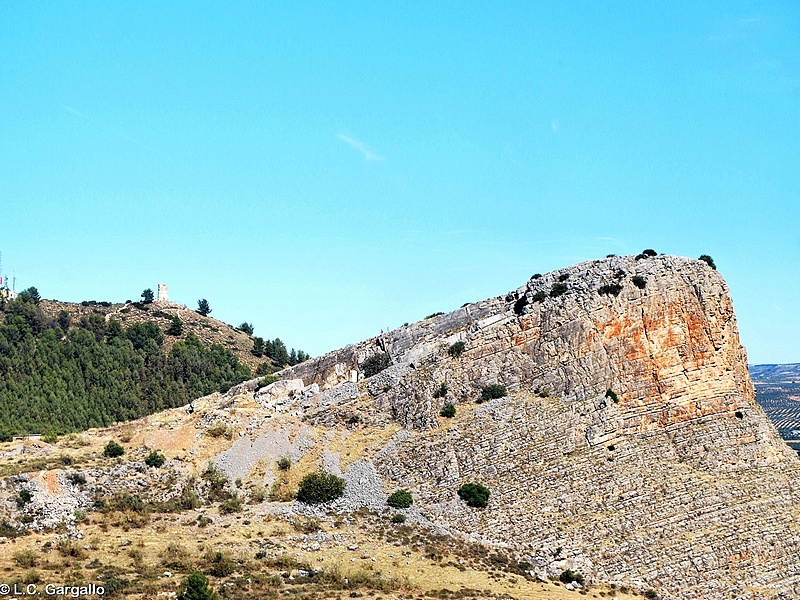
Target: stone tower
pixel 162 292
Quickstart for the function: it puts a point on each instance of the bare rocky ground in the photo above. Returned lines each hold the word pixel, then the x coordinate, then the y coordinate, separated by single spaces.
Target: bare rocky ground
pixel 109 521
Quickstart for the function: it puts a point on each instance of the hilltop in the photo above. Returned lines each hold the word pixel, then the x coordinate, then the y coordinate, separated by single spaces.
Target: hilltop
pixel 208 329
pixel 69 366
pixel 605 407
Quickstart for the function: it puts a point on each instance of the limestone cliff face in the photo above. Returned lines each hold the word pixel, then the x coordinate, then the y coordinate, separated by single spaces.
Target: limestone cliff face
pixel 680 484
pixel 669 350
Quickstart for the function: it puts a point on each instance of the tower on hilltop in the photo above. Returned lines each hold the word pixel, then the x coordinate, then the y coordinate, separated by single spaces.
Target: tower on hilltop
pixel 162 292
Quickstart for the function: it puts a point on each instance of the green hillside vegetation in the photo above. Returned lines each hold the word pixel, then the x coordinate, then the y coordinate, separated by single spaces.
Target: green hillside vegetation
pixel 57 376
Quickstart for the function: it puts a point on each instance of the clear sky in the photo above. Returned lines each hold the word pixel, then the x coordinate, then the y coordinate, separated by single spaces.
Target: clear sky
pixel 327 170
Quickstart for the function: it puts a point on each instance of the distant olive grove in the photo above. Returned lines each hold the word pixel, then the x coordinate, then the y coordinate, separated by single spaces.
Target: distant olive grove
pixel 58 376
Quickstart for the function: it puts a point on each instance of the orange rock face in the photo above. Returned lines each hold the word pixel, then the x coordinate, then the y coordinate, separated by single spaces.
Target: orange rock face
pixel 675 481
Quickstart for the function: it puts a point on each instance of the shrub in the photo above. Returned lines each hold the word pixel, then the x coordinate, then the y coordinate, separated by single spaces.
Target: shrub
pixel 651 595
pixel 436 314
pixel 639 281
pixel 612 394
pixel 441 391
pixel 570 576
pixel 375 364
pixel 195 587
pixel 175 556
pixel 9 531
pixel 538 296
pixel 220 430
pixel 113 449
pixel 203 521
pixel 76 478
pixel 217 480
pixel 307 525
pixel 186 501
pixel 400 499
pixel 612 289
pixel 319 487
pixel 649 252
pixel 474 494
pixel 230 505
pixel 258 494
pixel 32 576
pixel 122 502
pixel 50 438
pixel 708 260
pixel 68 548
pixel 457 349
pixel 490 392
pixel 520 304
pixel 399 518
pixel 284 463
pixel 280 492
pixel 268 380
pixel 448 411
pixel 155 459
pixel 558 288
pixel 26 558
pixel 563 277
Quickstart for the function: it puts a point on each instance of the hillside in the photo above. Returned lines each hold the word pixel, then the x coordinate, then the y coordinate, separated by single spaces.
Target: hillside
pixel 778 392
pixel 208 329
pixel 775 374
pixel 67 367
pixel 606 407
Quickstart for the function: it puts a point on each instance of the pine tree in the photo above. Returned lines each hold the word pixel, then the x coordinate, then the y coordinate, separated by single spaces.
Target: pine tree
pixel 176 327
pixel 203 307
pixel 195 587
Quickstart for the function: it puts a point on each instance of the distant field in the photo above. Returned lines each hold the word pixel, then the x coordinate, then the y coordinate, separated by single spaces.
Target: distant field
pixel 778 392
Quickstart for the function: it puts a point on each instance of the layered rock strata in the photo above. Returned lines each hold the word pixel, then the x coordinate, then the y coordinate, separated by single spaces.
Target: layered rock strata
pixel 629 444
pixel 627 447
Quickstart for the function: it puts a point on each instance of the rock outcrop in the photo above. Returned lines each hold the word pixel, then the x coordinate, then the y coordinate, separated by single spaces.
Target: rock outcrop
pixel 626 444
pixel 629 442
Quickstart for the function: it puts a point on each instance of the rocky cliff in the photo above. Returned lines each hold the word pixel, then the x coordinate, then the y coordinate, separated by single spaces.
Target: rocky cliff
pixel 629 445
pixel 625 445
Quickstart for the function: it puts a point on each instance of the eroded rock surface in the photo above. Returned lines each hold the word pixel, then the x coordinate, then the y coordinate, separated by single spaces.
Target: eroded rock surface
pixel 627 447
pixel 630 439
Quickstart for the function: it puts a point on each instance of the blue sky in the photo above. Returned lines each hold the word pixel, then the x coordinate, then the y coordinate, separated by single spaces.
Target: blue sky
pixel 327 170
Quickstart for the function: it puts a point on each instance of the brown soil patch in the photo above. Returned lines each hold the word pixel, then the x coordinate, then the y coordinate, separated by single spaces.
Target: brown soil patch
pixel 49 481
